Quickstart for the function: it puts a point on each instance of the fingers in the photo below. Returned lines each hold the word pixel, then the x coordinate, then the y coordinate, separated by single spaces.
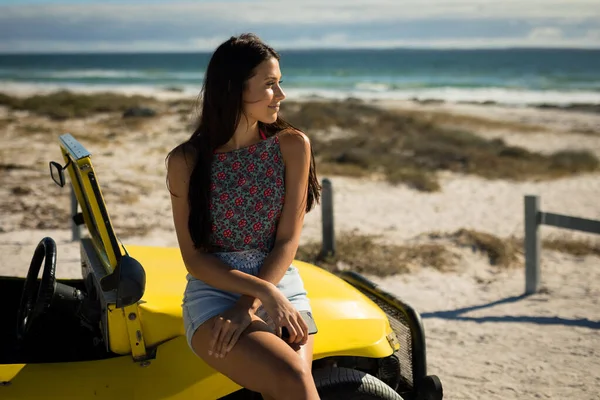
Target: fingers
pixel 216 333
pixel 234 338
pixel 221 336
pixel 301 329
pixel 278 330
pixel 227 331
pixel 286 316
pixel 292 329
pixel 296 327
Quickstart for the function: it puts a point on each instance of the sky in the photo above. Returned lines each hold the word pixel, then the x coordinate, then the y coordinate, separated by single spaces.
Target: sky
pixel 28 26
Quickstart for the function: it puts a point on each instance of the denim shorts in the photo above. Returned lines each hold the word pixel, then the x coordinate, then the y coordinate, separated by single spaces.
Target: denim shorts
pixel 202 301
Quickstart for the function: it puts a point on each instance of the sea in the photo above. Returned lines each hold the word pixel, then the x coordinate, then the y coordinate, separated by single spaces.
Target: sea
pixel 505 76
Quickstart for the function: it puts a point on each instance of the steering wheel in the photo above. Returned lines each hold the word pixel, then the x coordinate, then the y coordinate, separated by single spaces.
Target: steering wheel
pixel 35 299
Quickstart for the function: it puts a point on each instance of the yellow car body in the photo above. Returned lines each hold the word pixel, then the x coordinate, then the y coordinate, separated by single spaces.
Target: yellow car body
pixel 146 354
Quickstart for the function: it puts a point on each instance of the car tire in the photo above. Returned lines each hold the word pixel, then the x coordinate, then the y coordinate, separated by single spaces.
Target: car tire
pixel 335 383
pixel 430 388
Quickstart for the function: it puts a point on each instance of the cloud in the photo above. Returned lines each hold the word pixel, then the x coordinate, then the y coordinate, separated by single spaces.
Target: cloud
pixel 545 34
pixel 593 35
pixel 193 26
pixel 317 11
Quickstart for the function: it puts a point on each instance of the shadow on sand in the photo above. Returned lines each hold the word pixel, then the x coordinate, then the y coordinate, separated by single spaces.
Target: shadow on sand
pixel 457 315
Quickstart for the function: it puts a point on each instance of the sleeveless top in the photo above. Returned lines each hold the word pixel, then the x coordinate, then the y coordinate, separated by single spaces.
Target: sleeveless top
pixel 247 192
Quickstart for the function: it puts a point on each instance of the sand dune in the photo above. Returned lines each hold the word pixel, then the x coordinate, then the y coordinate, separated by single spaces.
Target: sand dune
pixel 485 340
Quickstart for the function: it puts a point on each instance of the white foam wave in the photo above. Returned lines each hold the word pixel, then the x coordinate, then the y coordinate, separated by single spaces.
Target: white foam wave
pixel 372 87
pixel 106 74
pixel 449 94
pixel 91 73
pixel 497 95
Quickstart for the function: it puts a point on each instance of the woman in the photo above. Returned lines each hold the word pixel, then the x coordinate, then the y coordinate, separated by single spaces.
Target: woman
pixel 240 187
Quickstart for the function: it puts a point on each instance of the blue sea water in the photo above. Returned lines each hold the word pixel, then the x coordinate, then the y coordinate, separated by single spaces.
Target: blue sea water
pixel 511 76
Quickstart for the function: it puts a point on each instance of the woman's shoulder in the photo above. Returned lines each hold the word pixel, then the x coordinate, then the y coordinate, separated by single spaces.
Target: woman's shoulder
pixel 294 145
pixel 292 140
pixel 182 157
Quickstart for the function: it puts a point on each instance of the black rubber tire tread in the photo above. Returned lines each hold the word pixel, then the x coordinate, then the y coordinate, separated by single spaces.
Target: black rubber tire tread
pixel 432 388
pixel 335 383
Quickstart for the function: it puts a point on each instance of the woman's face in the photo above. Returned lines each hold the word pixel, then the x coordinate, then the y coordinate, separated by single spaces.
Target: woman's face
pixel 263 93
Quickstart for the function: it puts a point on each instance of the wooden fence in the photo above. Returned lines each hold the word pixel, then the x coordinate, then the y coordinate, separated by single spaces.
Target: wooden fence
pixel 534 217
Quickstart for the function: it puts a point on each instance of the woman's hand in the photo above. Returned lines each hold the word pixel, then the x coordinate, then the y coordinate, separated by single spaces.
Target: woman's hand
pixel 284 314
pixel 227 329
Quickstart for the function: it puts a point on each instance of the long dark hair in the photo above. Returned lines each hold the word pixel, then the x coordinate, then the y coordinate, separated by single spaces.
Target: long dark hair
pixel 229 69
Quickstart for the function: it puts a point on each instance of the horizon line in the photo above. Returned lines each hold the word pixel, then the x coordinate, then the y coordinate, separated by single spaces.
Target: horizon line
pixel 316 49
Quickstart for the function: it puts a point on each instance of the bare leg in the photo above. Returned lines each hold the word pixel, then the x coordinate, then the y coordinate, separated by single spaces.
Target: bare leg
pixel 305 352
pixel 259 354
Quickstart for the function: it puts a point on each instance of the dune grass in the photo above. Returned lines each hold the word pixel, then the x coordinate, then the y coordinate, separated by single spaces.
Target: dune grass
pixel 579 248
pixel 362 253
pixel 365 254
pixel 5 122
pixel 404 147
pixel 62 105
pixel 408 149
pixel 450 119
pixel 502 252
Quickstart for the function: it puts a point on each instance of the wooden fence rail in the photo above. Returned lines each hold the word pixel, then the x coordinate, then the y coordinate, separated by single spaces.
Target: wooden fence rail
pixel 534 217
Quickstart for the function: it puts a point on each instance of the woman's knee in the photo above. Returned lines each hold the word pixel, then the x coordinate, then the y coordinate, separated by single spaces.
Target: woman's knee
pixel 261 353
pixel 293 379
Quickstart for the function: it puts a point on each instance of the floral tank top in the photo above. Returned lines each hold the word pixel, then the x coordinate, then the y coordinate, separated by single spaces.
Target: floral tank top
pixel 247 192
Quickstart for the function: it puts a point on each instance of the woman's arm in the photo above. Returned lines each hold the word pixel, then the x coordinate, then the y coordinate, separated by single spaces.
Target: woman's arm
pixel 295 149
pixel 203 266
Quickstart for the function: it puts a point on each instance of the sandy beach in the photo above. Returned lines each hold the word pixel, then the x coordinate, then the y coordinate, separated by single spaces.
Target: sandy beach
pixel 485 340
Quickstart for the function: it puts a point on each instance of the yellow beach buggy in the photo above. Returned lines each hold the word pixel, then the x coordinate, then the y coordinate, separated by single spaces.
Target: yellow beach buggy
pixel 117 333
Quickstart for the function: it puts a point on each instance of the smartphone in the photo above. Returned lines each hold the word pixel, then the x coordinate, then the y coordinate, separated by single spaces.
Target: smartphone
pixel 310 321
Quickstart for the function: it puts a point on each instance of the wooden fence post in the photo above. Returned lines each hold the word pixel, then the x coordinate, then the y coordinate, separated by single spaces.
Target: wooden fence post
pixel 328 248
pixel 532 244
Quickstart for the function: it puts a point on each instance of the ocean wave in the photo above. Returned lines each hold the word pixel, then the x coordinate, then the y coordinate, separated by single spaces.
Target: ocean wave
pixel 517 97
pixel 297 79
pixel 452 94
pixel 107 75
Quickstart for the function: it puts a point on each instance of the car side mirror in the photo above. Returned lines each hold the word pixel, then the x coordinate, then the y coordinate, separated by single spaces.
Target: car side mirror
pixel 129 279
pixel 57 173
